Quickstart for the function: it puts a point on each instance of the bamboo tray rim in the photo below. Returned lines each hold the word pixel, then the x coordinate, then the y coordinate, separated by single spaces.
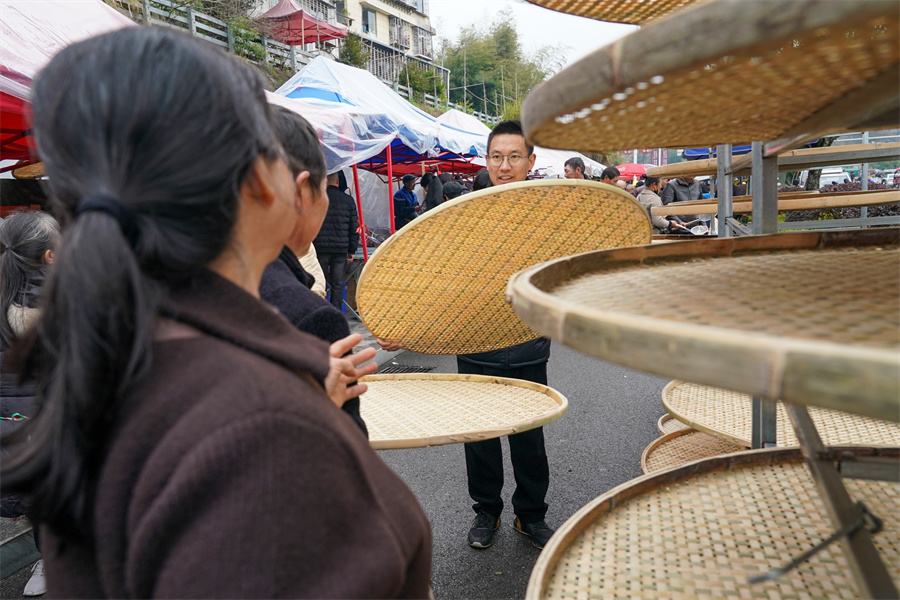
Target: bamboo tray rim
pixel 474 435
pixel 662 440
pixel 697 426
pixel 606 503
pixel 532 304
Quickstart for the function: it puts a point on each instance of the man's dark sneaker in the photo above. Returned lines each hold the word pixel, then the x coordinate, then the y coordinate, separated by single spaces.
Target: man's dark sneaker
pixel 538 531
pixel 481 535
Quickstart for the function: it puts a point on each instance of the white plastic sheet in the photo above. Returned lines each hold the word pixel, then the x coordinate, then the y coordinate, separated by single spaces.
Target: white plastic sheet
pixel 33 32
pixel 379 112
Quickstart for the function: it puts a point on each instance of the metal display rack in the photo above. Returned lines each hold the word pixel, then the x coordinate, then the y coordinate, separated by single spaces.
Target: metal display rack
pixel 762 70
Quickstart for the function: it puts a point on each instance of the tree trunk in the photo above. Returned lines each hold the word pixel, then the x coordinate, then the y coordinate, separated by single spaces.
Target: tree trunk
pixel 812 182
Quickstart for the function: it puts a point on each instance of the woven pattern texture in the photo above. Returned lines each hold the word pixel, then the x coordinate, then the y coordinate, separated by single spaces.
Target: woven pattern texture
pixel 617 11
pixel 417 410
pixel 438 285
pixel 759 91
pixel 682 447
pixel 702 537
pixel 729 414
pixel 668 424
pixel 803 294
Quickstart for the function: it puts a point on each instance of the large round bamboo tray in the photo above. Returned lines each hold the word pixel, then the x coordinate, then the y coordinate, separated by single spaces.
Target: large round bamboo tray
pixel 728 71
pixel 700 530
pixel 427 409
pixel 634 12
pixel 683 446
pixel 810 318
pixel 437 285
pixel 728 415
pixel 668 424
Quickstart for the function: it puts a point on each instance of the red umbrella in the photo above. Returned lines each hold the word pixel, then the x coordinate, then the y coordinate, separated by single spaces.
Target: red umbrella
pixel 632 170
pixel 290 24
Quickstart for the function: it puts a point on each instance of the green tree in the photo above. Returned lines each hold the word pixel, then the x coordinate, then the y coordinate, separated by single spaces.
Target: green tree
pixel 353 52
pixel 421 81
pixel 489 70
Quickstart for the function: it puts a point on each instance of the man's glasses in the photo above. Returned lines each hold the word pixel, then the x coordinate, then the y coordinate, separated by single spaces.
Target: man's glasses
pixel 514 160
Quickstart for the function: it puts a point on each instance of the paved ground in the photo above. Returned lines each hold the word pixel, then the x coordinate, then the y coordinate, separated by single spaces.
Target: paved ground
pixel 595 447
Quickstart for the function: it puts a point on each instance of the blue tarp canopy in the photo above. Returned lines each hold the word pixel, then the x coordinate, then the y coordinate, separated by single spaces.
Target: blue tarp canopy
pixel 377 113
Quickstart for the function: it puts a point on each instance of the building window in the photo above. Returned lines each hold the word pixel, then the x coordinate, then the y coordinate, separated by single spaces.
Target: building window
pixel 422 41
pixel 399 32
pixel 368 21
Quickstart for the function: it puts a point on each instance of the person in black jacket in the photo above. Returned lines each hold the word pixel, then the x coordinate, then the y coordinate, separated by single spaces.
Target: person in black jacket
pixel 434 190
pixel 509 159
pixel 338 238
pixel 285 284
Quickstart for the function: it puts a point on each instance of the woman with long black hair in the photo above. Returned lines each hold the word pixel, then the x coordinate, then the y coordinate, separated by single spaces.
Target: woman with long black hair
pixel 185 446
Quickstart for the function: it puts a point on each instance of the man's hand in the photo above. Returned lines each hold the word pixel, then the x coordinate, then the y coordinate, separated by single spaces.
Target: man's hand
pixel 344 370
pixel 389 346
pixel 350 258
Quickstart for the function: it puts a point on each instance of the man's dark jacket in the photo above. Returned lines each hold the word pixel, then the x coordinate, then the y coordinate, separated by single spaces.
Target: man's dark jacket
pixel 339 233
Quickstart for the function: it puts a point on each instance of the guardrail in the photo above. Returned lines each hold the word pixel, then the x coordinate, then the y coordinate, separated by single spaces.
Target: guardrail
pixel 166 13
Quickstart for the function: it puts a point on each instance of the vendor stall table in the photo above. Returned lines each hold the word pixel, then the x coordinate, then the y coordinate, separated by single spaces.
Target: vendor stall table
pixel 424 409
pixel 701 530
pixel 727 415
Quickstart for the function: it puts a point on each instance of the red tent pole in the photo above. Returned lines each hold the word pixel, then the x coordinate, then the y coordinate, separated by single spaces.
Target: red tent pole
pixel 390 166
pixel 362 224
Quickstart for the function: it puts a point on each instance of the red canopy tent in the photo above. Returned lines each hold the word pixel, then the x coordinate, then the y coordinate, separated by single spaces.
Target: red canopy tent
pixel 633 170
pixel 290 24
pixel 33 32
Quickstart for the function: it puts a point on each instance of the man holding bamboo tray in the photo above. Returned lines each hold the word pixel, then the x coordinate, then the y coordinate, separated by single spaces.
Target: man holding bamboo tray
pixel 509 158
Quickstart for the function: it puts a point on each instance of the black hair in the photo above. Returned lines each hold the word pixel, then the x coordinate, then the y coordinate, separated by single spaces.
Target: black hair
pixel 426 179
pixel 482 180
pixel 609 173
pixel 509 128
pixel 575 163
pixel 166 128
pixel 25 236
pixel 454 189
pixel 648 181
pixel 445 177
pixel 301 144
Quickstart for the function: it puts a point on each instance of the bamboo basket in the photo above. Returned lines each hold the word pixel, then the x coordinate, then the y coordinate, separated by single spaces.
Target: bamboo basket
pixel 427 409
pixel 810 318
pixel 436 286
pixel 632 12
pixel 668 424
pixel 683 446
pixel 700 530
pixel 728 415
pixel 726 72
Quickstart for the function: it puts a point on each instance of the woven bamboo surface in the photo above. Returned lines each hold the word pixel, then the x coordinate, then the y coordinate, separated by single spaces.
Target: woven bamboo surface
pixel 425 409
pixel 683 446
pixel 810 318
pixel 618 11
pixel 728 415
pixel 669 424
pixel 728 71
pixel 701 530
pixel 437 286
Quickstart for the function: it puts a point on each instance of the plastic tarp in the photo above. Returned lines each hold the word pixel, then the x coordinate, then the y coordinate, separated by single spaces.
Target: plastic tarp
pixel 290 24
pixel 382 109
pixel 32 33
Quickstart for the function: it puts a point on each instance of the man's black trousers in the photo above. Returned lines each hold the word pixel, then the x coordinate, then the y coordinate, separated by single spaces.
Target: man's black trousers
pixel 484 460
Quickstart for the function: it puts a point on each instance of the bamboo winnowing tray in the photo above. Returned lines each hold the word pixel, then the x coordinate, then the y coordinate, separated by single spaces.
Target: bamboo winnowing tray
pixel 437 285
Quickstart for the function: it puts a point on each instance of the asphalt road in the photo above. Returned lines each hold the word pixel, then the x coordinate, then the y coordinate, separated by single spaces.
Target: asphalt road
pixel 596 446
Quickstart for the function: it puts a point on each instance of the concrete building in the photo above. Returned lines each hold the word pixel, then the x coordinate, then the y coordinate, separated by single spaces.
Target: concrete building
pixel 396 32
